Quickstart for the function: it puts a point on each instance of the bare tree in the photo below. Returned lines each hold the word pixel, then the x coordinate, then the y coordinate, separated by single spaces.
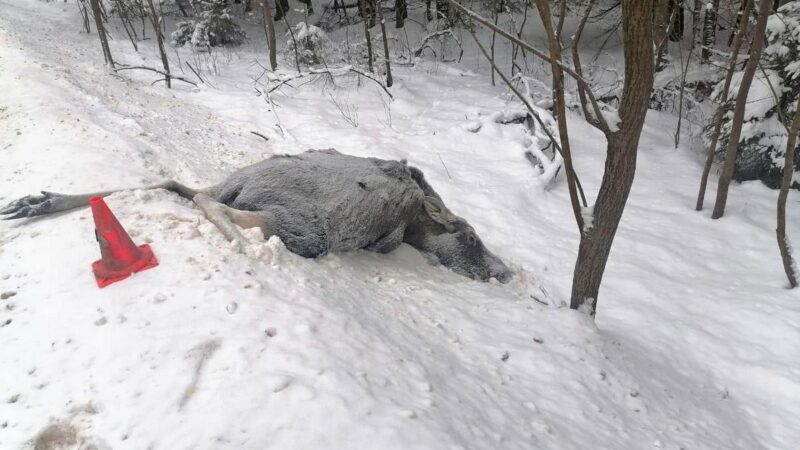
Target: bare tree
pixel 562 14
pixel 601 222
pixel 576 62
pixel 84 10
pixel 156 20
pixel 709 29
pixel 756 44
pixel 101 31
pixel 677 17
pixel 367 19
pixel 788 167
pixel 269 29
pixel 697 8
pixel 560 106
pixel 379 8
pixel 400 12
pixel 620 167
pixel 712 147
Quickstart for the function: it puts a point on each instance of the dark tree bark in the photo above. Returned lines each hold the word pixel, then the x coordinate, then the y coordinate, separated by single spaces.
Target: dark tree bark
pixel 712 148
pixel 709 30
pixel 494 35
pixel 620 167
pixel 366 16
pixel 400 13
pixel 101 31
pixel 269 29
pixel 155 19
pixel 379 8
pixel 756 44
pixel 788 168
pixel 676 30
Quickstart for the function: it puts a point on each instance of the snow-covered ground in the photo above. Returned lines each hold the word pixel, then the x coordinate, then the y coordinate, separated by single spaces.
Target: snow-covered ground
pixel 696 344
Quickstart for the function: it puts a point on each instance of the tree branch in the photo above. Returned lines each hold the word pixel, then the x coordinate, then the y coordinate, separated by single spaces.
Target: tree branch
pixel 174 77
pixel 483 21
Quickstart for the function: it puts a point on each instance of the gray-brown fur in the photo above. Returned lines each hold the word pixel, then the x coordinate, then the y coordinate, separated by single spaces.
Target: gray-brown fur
pixel 323 201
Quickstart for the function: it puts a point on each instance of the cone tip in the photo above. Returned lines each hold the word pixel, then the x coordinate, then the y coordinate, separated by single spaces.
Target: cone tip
pixel 96 201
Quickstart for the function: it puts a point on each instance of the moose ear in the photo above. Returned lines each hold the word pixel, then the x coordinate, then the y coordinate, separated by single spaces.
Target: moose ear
pixel 440 214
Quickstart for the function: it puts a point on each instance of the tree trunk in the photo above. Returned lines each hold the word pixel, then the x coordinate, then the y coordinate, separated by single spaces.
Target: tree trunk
pixel 620 167
pixel 494 35
pixel 269 29
pixel 712 148
pixel 366 16
pixel 155 19
pixel 734 30
pixel 560 106
pixel 664 33
pixel 576 61
pixel 676 33
pixel 562 14
pixel 696 22
pixel 379 8
pixel 101 31
pixel 400 13
pixel 756 45
pixel 710 30
pixel 788 169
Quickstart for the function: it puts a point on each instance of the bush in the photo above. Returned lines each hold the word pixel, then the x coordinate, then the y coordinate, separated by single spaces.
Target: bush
pixel 313 45
pixel 213 28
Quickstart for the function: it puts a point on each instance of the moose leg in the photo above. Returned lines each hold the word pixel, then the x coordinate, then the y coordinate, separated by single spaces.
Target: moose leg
pixel 226 218
pixel 388 242
pixel 51 202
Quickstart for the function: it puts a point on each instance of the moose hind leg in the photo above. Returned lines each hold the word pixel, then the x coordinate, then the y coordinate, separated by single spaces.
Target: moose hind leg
pixel 226 218
pixel 44 204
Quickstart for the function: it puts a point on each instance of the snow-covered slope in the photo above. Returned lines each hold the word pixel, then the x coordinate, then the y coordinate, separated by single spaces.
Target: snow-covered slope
pixel 697 342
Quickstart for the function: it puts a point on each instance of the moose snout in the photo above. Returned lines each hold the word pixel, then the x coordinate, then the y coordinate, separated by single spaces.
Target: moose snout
pixel 499 271
pixel 503 277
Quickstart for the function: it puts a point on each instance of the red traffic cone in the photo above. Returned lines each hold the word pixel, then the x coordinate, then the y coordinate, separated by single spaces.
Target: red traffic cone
pixel 121 257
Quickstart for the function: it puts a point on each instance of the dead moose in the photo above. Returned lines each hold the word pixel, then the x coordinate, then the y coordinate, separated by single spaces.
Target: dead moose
pixel 323 201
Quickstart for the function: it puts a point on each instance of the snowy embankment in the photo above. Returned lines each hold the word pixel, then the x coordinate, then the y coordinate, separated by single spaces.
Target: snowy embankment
pixel 697 343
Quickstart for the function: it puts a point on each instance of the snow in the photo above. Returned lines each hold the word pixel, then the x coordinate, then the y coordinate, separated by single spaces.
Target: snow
pixel 696 342
pixel 760 98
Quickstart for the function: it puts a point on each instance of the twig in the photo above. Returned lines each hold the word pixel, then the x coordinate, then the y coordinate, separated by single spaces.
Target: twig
pixel 332 73
pixel 195 72
pixel 444 165
pixel 260 135
pixel 284 132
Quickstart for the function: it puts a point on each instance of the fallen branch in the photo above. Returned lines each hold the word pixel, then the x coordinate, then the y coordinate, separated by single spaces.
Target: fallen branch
pixel 174 77
pixel 424 44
